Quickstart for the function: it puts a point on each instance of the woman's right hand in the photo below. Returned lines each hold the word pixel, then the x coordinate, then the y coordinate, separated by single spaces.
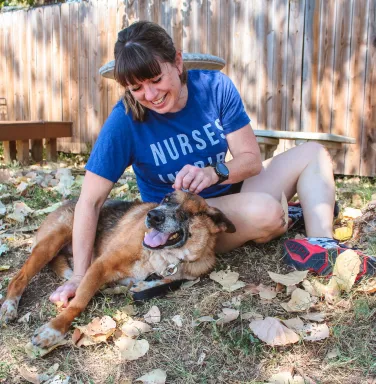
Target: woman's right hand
pixel 66 291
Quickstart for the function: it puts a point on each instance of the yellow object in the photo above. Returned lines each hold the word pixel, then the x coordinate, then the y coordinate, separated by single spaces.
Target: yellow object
pixel 343 233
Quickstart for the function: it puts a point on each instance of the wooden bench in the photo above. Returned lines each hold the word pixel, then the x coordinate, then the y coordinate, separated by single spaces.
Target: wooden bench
pixel 269 139
pixel 16 135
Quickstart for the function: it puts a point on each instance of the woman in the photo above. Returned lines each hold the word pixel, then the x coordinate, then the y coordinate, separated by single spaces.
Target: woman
pixel 175 128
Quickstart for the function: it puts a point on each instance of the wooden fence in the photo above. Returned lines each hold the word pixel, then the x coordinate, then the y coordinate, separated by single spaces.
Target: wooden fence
pixel 300 65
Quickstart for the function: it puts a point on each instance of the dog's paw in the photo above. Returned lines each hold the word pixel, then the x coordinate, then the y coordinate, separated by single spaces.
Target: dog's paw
pixel 8 311
pixel 46 336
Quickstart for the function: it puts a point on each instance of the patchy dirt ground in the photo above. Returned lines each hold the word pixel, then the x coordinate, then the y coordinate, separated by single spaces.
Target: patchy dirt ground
pixel 209 353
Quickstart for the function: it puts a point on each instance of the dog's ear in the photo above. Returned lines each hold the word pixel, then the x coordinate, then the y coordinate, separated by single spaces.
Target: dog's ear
pixel 220 220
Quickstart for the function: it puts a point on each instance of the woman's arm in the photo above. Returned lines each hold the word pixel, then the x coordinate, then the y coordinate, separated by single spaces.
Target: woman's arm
pixel 246 162
pixel 95 190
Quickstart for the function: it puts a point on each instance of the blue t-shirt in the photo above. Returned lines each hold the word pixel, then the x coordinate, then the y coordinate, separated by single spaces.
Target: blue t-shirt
pixel 159 147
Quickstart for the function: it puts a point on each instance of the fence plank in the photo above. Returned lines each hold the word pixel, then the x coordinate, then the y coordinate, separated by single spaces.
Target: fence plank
pixel 368 154
pixel 357 85
pixel 341 76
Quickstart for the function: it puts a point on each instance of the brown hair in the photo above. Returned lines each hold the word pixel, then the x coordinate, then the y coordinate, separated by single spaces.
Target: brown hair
pixel 138 51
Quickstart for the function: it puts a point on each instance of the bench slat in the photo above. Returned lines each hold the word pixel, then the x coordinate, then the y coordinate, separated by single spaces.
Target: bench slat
pixel 25 130
pixel 315 136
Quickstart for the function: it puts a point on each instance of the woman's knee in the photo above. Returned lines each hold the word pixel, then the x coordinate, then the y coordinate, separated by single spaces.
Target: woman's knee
pixel 271 220
pixel 316 151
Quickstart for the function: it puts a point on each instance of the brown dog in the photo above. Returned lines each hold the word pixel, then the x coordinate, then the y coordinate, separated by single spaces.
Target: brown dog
pixel 179 243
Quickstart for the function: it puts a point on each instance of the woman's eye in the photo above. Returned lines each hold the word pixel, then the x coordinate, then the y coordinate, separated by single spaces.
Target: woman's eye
pixel 157 80
pixel 135 89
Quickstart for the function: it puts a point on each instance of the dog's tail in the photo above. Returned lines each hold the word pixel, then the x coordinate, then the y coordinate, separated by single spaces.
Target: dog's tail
pixel 61 266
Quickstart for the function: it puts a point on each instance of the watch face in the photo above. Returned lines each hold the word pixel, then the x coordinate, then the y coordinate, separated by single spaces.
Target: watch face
pixel 222 169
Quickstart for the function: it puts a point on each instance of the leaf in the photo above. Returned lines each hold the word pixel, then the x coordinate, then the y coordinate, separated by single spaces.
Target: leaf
pixel 97 331
pixel 314 316
pixel 225 278
pixel 118 290
pixel 49 209
pixel 203 319
pixel 300 301
pixel 273 332
pixel 25 318
pixel 315 332
pixel 20 212
pixel 153 316
pixel 156 376
pixel 177 320
pixel 343 233
pixel 227 315
pixel 4 267
pixel 266 293
pixel 296 324
pixel 351 213
pixel 34 352
pixel 134 328
pixel 3 249
pixel 131 349
pixel 307 285
pixel 292 278
pixel 239 284
pixel 189 284
pixel 367 285
pixel 346 269
pixel 3 209
pixel 251 315
pixel 286 378
pixel 285 207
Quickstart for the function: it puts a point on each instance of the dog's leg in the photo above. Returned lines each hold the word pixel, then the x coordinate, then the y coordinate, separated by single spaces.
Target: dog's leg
pixel 43 252
pixel 55 330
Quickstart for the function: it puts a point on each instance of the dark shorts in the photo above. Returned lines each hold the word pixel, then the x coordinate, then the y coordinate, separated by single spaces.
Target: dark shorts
pixel 235 188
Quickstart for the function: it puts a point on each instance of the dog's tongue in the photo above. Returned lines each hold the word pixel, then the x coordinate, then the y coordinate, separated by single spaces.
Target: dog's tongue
pixel 155 238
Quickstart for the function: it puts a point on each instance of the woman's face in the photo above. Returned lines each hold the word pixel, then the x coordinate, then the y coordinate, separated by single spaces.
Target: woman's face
pixel 163 93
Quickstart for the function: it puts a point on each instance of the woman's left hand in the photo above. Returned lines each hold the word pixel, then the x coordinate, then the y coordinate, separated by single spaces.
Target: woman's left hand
pixel 195 179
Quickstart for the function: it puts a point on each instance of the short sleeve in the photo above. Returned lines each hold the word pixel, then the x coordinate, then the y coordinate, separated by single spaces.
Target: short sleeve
pixel 113 150
pixel 232 112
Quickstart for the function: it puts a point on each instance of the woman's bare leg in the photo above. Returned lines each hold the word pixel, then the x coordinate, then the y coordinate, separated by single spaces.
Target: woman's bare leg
pixel 256 211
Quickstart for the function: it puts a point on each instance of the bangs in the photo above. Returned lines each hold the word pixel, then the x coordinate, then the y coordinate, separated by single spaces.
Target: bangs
pixel 135 64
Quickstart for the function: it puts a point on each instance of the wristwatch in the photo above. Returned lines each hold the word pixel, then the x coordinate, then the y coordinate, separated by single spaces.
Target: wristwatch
pixel 222 172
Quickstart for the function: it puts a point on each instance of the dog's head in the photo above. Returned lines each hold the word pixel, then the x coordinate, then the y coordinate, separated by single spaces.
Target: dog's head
pixel 178 217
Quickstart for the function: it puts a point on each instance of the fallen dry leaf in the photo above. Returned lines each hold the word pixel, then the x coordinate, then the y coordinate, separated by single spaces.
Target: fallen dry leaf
pixel 351 213
pixel 266 292
pixel 189 284
pixel 134 328
pixel 300 301
pixel 296 324
pixel 35 352
pixel 346 269
pixel 333 353
pixel 203 319
pixel 228 280
pixel 307 285
pixel 314 316
pixel 153 316
pixel 251 315
pixel 20 212
pixel 292 278
pixel 177 320
pixel 286 378
pixel 315 332
pixel 273 332
pixel 156 376
pixel 25 318
pixel 97 331
pixel 4 267
pixel 367 285
pixel 227 315
pixel 290 289
pixel 343 233
pixel 131 349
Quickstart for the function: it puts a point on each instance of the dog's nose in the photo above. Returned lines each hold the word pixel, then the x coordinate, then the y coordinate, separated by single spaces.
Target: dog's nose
pixel 156 217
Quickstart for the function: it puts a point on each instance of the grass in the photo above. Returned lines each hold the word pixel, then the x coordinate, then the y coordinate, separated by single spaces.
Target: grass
pixel 208 353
